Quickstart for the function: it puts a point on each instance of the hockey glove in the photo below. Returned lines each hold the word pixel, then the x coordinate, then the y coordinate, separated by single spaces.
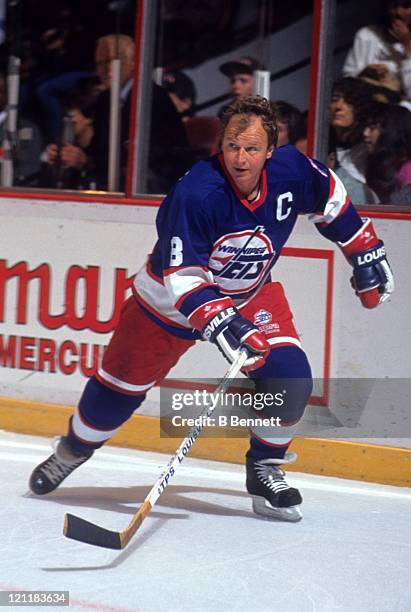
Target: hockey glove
pixel 372 279
pixel 229 331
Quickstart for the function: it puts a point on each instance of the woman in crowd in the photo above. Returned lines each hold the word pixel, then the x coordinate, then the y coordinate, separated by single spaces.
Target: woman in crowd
pixel 387 136
pixel 350 101
pixel 385 48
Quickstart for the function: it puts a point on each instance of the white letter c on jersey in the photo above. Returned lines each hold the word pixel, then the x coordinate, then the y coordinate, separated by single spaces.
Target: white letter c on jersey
pixel 281 214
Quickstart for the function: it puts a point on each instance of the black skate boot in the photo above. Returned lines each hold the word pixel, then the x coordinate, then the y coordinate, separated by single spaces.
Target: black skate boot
pixel 272 496
pixel 50 474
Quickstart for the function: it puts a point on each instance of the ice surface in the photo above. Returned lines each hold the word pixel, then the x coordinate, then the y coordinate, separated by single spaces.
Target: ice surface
pixel 201 548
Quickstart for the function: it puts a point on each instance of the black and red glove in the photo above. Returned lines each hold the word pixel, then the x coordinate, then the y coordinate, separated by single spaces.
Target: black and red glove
pixel 230 332
pixel 372 279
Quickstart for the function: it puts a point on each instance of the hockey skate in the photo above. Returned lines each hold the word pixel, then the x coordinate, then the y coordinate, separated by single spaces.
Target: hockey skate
pixel 272 497
pixel 50 474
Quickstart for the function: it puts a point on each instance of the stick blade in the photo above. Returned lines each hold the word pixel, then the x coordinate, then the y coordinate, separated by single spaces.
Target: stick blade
pixel 78 529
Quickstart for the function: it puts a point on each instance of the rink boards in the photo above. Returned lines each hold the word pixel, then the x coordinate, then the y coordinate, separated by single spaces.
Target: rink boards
pixel 66 267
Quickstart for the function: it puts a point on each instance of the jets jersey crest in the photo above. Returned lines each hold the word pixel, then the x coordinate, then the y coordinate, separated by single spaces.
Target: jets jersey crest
pixel 240 261
pixel 212 243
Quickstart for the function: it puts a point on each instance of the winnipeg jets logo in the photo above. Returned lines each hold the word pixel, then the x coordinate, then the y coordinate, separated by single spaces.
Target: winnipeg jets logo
pixel 240 260
pixel 262 317
pixel 264 321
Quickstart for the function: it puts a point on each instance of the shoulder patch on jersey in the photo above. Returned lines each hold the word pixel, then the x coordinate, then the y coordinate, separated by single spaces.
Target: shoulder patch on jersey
pixel 264 321
pixel 262 317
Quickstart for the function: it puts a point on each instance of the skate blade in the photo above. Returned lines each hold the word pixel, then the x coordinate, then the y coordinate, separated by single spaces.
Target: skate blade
pixel 262 507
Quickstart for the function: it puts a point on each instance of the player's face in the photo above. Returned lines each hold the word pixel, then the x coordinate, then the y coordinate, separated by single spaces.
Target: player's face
pixel 245 150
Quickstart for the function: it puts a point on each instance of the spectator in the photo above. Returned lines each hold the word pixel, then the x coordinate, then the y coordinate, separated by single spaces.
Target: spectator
pixel 50 95
pixel 108 48
pixel 202 132
pixel 27 149
pixel 288 123
pixel 385 48
pixel 240 72
pixel 359 192
pixel 63 54
pixel 386 86
pixel 170 155
pixel 401 197
pixel 350 100
pixel 301 133
pixel 70 164
pixel 388 137
pixel 182 92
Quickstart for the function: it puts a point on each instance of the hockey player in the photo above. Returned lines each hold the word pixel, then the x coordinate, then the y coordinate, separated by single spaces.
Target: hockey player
pixel 220 231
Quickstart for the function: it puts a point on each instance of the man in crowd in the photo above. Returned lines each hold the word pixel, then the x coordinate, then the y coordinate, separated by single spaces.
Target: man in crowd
pixel 241 75
pixel 96 156
pixel 220 232
pixel 181 90
pixel 108 48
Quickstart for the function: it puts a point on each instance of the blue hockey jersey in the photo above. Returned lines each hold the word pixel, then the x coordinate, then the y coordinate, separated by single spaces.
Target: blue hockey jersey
pixel 213 243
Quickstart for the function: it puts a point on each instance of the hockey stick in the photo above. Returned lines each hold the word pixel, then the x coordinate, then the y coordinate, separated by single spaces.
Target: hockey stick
pixel 79 529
